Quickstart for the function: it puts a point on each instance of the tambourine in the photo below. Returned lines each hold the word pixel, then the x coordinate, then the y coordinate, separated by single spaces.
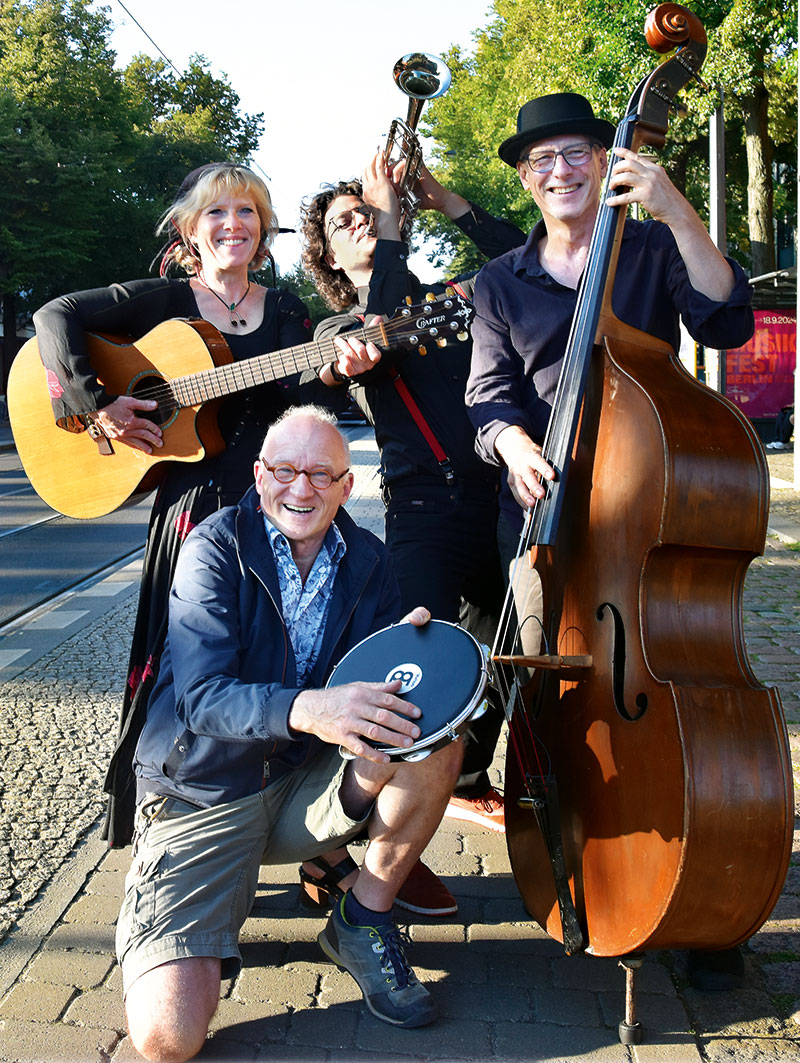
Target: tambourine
pixel 443 670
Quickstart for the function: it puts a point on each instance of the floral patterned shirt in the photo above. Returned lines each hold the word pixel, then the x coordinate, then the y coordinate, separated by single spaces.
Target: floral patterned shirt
pixel 305 607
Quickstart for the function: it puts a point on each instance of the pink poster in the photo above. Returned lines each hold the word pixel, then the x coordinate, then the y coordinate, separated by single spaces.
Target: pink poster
pixel 759 377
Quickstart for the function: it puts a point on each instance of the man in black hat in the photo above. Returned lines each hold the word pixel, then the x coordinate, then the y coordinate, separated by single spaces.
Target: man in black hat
pixel 525 301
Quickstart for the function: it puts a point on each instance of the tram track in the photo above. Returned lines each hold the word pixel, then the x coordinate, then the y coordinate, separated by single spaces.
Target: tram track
pixel 46 555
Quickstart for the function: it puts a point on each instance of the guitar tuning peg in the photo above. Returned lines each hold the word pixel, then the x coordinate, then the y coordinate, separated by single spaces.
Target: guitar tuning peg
pixel 409 300
pixel 441 342
pixel 430 298
pixel 450 290
pixel 423 350
pixel 462 335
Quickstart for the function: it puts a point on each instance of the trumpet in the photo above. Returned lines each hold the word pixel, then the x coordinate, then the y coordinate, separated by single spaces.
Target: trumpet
pixel 421 77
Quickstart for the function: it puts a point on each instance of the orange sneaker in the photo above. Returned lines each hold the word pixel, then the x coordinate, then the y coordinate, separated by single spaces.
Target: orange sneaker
pixel 487 811
pixel 425 893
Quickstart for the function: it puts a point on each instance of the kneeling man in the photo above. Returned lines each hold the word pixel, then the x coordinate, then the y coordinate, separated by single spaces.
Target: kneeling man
pixel 238 763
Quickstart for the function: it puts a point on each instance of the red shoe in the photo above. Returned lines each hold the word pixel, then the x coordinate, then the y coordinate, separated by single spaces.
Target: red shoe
pixel 488 810
pixel 425 893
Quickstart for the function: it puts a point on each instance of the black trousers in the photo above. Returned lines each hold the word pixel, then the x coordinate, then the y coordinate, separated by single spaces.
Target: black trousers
pixel 443 544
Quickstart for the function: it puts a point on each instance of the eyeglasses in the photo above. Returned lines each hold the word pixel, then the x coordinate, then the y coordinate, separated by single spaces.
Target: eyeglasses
pixel 345 219
pixel 319 478
pixel 573 155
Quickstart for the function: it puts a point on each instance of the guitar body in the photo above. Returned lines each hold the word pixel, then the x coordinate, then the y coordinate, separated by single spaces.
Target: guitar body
pixel 68 470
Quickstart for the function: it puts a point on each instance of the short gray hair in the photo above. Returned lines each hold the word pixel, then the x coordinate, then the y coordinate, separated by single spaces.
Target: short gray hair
pixel 320 414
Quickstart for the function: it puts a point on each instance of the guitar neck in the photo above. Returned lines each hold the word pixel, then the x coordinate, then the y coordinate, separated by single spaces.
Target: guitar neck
pixel 196 388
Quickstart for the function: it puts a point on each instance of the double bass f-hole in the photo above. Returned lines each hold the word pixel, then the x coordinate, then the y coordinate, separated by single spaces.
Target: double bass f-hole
pixel 618 666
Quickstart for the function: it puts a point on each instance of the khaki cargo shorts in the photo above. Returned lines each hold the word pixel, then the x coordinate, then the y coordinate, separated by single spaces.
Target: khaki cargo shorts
pixel 194 872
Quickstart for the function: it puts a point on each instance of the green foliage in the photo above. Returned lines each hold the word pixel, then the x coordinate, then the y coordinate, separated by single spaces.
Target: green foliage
pixel 299 282
pixel 597 47
pixel 90 156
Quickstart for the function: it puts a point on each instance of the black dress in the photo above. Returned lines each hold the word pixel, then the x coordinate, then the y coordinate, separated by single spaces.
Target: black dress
pixel 189 492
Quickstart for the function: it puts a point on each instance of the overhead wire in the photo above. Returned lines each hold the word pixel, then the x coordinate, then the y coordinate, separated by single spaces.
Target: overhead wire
pixel 252 162
pixel 163 54
pixel 144 31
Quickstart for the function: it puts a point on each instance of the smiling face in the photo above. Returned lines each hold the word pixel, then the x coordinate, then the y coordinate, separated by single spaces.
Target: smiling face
pixel 303 512
pixel 568 193
pixel 351 248
pixel 227 232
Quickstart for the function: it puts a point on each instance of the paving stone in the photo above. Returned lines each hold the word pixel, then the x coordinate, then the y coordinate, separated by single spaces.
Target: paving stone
pixel 32 1001
pixel 102 1008
pixel 82 936
pixel 290 983
pixel 251 1023
pixel 93 908
pixel 31 1042
pixel 84 970
pixel 325 1028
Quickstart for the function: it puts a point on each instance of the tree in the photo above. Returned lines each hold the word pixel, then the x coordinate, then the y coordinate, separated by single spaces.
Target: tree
pixel 60 131
pixel 90 156
pixel 300 284
pixel 756 65
pixel 532 47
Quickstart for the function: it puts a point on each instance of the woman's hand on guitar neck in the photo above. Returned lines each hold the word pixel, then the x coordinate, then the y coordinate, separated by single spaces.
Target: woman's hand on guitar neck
pixel 119 420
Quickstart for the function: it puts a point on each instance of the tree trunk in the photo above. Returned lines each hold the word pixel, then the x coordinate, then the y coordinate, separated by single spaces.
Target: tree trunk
pixel 759 181
pixel 10 342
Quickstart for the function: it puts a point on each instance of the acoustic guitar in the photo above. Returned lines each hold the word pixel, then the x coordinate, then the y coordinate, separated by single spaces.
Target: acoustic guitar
pixel 187 367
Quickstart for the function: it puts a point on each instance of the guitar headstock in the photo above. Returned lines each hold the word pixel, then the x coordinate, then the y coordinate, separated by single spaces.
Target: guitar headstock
pixel 437 319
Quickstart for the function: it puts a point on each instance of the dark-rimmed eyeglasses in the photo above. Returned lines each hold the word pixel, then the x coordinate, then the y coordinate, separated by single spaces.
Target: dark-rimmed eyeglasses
pixel 287 474
pixel 573 154
pixel 344 219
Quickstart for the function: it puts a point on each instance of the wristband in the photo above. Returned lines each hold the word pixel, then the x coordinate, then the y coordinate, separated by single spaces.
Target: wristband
pixel 340 378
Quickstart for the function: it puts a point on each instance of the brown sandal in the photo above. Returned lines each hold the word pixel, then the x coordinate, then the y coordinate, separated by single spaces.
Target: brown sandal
pixel 323 891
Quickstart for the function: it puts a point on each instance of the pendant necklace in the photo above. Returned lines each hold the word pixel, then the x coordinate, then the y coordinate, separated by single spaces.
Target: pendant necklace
pixel 230 307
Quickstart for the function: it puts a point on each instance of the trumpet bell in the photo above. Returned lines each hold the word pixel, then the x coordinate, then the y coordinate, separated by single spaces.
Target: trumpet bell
pixel 422 76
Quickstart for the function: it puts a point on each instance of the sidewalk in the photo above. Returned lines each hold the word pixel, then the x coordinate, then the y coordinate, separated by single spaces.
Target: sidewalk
pixel 507 992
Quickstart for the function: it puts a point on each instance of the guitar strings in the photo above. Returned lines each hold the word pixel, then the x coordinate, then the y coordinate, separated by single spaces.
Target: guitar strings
pixel 166 392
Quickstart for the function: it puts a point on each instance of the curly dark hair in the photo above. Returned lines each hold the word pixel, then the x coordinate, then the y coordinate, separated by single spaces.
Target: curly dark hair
pixel 332 284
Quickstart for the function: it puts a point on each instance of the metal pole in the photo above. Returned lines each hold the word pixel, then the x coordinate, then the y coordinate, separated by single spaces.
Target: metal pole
pixel 797 290
pixel 717 220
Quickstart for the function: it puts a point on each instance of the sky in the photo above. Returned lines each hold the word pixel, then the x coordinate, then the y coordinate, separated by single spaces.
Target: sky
pixel 321 75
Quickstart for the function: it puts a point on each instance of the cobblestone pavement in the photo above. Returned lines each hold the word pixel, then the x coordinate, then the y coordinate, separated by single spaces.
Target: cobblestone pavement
pixel 507 992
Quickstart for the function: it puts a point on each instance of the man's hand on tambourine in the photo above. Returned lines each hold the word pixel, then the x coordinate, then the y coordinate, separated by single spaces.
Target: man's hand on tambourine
pixel 346 715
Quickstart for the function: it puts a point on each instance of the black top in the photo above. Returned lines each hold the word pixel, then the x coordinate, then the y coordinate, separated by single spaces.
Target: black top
pixel 436 380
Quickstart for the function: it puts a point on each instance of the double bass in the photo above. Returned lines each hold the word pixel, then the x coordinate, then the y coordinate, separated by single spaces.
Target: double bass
pixel 648 787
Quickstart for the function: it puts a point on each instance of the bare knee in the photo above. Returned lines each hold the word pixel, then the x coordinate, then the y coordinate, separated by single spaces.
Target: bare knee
pixel 169 1008
pixel 441 769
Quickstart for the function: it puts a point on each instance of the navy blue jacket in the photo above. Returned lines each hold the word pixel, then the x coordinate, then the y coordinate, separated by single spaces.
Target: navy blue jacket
pixel 217 722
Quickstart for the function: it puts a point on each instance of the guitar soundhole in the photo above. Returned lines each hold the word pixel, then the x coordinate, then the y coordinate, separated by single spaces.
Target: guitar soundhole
pixel 153 387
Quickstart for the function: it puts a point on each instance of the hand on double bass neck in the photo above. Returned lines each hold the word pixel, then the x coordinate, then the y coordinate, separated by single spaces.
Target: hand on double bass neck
pixel 642 180
pixel 526 466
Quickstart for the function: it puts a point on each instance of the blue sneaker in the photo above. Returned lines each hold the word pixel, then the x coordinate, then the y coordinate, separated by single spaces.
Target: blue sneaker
pixel 373 955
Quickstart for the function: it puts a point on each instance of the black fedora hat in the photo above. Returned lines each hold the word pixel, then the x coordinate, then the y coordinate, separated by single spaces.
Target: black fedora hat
pixel 549 116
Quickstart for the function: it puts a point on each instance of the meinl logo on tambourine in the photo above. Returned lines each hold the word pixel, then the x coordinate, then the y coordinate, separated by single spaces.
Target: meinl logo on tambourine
pixel 410 676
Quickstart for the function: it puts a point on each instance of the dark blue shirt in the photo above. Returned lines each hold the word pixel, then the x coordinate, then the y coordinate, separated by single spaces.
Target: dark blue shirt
pixel 523 318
